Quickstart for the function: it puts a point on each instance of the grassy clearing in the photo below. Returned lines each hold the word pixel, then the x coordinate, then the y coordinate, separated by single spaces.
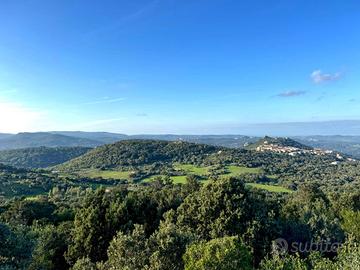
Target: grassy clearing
pixel 186 168
pixel 270 188
pixel 181 179
pixel 32 198
pixel 106 174
pixel 192 169
pixel 236 170
pixel 239 170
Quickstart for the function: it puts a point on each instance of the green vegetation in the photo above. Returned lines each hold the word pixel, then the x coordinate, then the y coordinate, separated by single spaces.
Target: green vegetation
pixel 139 152
pixel 131 212
pixel 270 188
pixel 238 170
pixel 121 175
pixel 192 169
pixel 203 173
pixel 180 179
pixel 40 157
pixel 227 253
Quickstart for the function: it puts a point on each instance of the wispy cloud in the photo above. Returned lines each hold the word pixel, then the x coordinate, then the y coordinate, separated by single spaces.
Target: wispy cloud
pixel 104 100
pixel 288 94
pixel 142 114
pixel 318 76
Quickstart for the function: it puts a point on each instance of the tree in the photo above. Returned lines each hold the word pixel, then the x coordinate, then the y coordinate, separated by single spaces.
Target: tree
pixel 16 245
pixel 218 209
pixel 90 237
pixel 351 223
pixel 50 248
pixel 227 253
pixel 168 245
pixel 84 264
pixel 129 252
pixel 25 212
pixel 286 262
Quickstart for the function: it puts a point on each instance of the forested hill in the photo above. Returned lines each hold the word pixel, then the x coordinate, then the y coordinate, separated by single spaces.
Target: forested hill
pixel 40 157
pixel 140 152
pixel 26 140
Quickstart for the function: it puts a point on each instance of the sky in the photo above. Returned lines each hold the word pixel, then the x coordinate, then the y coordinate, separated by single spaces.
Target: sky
pixel 177 66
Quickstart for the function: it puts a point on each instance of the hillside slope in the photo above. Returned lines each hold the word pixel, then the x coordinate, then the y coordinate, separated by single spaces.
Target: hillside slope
pixel 139 152
pixel 103 137
pixel 26 140
pixel 40 157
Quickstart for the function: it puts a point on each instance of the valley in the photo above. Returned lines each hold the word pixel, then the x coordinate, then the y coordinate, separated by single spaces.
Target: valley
pixel 193 187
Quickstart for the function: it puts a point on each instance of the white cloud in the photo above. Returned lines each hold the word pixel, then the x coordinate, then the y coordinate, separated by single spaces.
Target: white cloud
pixel 15 117
pixel 319 77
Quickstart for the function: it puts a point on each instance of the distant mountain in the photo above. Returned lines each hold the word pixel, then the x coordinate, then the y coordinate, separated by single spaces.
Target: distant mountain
pixel 139 152
pixel 103 137
pixel 349 145
pixel 25 140
pixel 40 157
pixel 5 135
pixel 280 142
pixel 231 141
pixel 92 139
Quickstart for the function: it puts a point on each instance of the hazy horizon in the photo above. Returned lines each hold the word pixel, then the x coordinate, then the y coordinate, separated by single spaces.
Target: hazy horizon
pixel 325 128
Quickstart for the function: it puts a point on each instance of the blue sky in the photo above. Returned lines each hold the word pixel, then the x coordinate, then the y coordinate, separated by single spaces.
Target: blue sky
pixel 176 66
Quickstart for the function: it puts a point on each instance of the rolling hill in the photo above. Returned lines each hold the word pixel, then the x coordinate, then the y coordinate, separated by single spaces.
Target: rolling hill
pixel 101 137
pixel 139 152
pixel 26 140
pixel 40 157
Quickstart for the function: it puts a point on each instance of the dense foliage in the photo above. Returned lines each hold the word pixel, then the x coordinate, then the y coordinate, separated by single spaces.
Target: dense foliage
pixel 140 152
pixel 220 224
pixel 40 157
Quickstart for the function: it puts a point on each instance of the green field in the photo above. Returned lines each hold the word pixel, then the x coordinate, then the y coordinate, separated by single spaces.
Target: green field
pixel 33 198
pixel 270 188
pixel 105 174
pixel 186 168
pixel 192 169
pixel 238 170
pixel 181 179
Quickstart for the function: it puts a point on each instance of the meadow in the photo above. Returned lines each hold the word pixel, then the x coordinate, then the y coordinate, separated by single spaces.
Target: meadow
pixel 186 169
